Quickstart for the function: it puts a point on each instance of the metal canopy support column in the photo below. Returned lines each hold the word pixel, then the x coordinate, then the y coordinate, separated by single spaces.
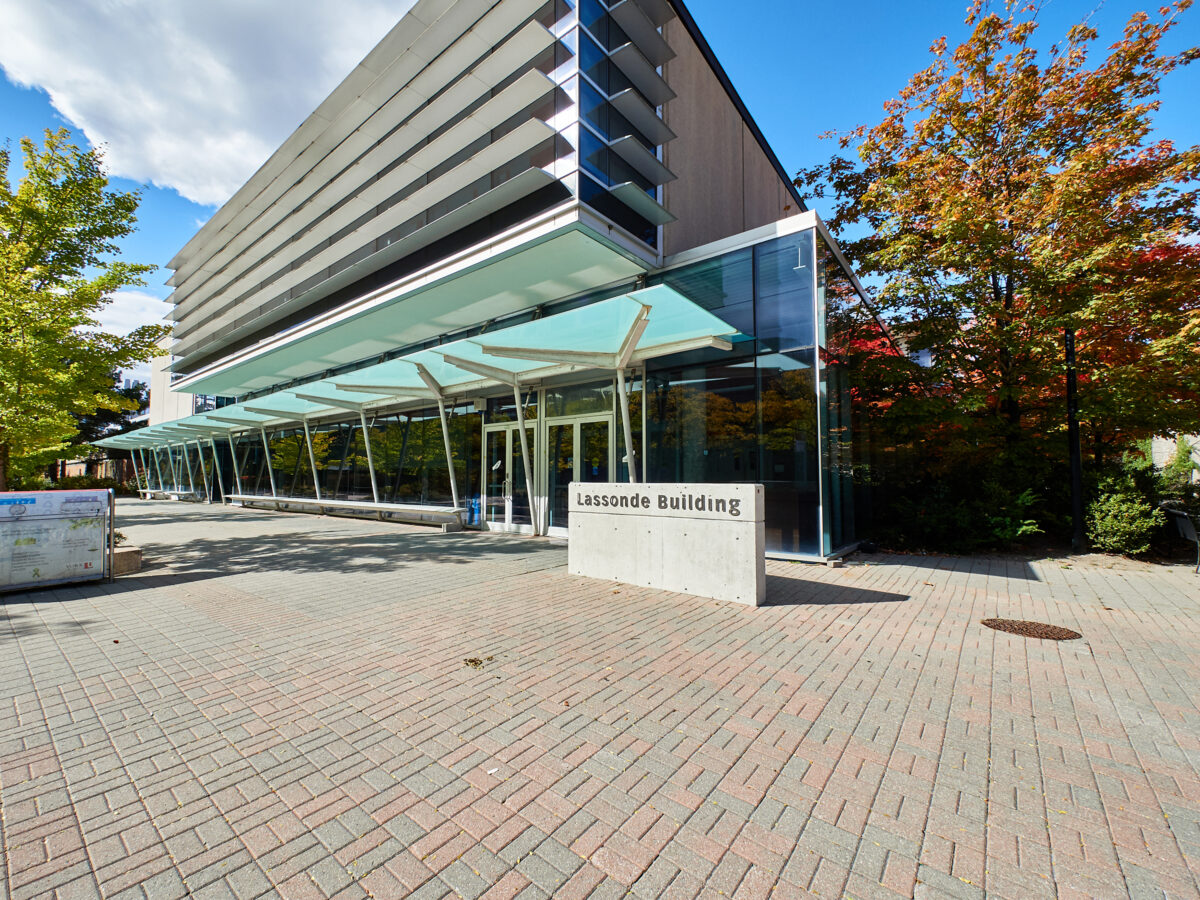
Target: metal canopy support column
pixel 504 377
pixel 267 451
pixel 200 456
pixel 618 362
pixel 187 464
pixel 237 476
pixel 312 458
pixel 362 417
pixel 157 468
pixel 432 384
pixel 536 515
pixel 137 479
pixel 216 468
pixel 171 465
pixel 631 455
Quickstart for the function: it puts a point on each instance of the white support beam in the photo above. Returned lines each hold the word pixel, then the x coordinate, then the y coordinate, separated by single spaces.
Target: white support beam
pixel 157 467
pixel 187 464
pixel 483 370
pixel 630 454
pixel 333 404
pixel 312 458
pixel 525 461
pixel 242 424
pixel 384 390
pixel 267 450
pixel 700 343
pixel 237 476
pixel 203 471
pixel 137 478
pixel 171 465
pixel 276 413
pixel 636 330
pixel 585 358
pixel 449 452
pixel 217 468
pixel 432 383
pixel 362 417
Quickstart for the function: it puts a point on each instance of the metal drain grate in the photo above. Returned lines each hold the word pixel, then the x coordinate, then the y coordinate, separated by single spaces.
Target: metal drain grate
pixel 1033 629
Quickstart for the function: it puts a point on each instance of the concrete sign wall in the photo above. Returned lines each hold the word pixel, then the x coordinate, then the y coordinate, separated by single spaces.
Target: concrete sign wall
pixel 51 537
pixel 703 539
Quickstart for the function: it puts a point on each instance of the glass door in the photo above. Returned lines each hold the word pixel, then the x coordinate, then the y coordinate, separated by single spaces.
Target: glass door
pixel 578 449
pixel 506 495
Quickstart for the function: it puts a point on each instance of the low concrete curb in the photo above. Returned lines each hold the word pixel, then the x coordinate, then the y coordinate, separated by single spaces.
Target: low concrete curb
pixel 127 560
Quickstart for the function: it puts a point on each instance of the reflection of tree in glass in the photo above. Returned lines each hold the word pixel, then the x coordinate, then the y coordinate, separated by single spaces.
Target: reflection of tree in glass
pixel 789 409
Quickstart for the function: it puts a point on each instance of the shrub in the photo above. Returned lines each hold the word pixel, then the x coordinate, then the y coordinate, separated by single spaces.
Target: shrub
pixel 1121 520
pixel 91 482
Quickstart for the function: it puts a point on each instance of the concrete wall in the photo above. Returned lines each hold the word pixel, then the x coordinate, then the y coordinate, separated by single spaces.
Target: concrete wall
pixel 166 405
pixel 1162 450
pixel 655 535
pixel 726 182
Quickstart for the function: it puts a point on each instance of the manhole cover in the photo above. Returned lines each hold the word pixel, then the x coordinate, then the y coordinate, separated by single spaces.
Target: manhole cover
pixel 1033 629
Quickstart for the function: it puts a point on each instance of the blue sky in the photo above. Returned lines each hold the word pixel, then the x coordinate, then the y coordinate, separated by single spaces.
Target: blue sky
pixel 803 67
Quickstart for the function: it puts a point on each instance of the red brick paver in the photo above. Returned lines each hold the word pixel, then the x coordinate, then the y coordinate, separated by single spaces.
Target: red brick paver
pixel 279 706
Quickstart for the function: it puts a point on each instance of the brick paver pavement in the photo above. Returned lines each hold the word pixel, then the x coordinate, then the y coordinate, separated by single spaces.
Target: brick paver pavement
pixel 280 705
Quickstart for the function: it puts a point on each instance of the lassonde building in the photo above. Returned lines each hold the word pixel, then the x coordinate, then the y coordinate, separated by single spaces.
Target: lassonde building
pixel 524 243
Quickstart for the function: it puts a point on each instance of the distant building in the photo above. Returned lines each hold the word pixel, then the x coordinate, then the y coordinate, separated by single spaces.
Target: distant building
pixel 528 237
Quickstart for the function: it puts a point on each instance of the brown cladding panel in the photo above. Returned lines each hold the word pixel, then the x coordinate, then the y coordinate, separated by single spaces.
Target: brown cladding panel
pixel 726 183
pixel 767 198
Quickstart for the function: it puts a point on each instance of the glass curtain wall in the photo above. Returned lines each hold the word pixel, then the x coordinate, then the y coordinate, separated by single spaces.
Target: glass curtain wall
pixel 255 479
pixel 853 340
pixel 753 415
pixel 407 448
pixel 600 123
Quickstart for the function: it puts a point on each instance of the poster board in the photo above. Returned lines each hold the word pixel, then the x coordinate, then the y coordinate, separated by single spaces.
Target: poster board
pixel 54 537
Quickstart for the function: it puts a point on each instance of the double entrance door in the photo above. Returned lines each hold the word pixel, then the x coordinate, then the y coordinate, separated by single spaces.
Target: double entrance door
pixel 564 449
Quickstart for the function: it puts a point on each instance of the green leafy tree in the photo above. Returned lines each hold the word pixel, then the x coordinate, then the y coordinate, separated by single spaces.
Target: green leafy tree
pixel 58 269
pixel 1009 194
pixel 105 422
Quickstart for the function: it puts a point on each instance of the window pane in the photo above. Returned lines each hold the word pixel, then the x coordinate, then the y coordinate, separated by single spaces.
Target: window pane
pixel 701 423
pixel 788 407
pixel 783 271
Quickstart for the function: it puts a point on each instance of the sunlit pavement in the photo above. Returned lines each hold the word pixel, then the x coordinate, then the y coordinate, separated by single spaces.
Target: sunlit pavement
pixel 282 705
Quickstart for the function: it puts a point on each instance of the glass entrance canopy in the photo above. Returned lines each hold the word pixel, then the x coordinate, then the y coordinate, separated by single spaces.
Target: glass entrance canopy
pixel 614 335
pixel 611 335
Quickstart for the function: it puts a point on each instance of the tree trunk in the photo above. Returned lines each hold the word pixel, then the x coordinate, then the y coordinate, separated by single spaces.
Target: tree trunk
pixel 3 467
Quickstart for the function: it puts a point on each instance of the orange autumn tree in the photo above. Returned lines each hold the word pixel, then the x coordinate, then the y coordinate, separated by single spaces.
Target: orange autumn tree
pixel 1009 194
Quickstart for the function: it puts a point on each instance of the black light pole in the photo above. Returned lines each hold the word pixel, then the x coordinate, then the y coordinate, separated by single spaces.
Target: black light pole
pixel 1077 536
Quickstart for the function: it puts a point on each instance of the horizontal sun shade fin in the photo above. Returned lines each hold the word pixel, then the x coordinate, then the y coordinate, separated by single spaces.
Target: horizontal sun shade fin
pixel 641 203
pixel 339 175
pixel 400 59
pixel 638 70
pixel 642 116
pixel 521 140
pixel 642 32
pixel 530 88
pixel 524 184
pixel 646 163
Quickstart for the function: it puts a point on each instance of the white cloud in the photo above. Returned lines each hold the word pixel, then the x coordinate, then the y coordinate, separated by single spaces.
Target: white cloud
pixel 127 311
pixel 184 94
pixel 132 309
